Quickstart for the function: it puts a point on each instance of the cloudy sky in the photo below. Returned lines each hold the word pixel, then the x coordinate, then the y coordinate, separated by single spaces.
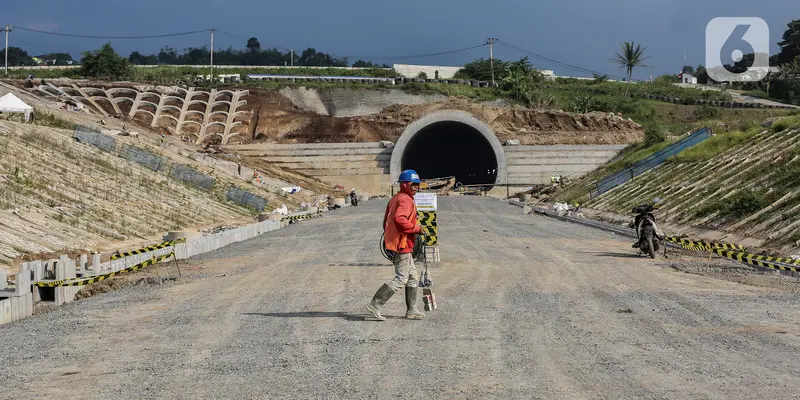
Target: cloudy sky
pixel 584 33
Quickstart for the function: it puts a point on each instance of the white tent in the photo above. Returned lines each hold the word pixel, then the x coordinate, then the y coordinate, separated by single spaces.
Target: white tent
pixel 11 103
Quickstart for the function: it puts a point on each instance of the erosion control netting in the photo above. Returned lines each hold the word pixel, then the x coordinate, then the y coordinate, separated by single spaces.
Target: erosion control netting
pixel 191 176
pixel 245 198
pixel 143 157
pixel 650 162
pixel 90 136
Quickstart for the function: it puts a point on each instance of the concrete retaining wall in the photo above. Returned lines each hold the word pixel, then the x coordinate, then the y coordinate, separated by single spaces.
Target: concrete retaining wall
pixel 366 166
pixel 353 165
pixel 536 164
pixel 18 302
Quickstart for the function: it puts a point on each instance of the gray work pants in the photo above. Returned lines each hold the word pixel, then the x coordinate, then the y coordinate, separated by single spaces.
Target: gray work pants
pixel 405 272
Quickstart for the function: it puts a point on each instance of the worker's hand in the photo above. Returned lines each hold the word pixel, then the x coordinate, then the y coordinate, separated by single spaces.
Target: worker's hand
pixel 418 228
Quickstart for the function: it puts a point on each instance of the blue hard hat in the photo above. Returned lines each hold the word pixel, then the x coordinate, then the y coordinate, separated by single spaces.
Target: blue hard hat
pixel 409 175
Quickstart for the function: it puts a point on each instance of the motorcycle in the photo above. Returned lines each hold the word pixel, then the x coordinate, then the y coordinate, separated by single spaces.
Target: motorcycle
pixel 649 240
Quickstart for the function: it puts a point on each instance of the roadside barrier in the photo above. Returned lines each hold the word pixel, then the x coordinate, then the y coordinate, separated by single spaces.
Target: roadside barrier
pixel 703 246
pixel 98 278
pixel 147 249
pixel 753 259
pixel 728 251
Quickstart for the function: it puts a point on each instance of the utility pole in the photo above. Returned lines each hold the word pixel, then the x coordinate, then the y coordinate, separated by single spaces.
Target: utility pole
pixel 212 55
pixel 490 42
pixel 291 59
pixel 7 29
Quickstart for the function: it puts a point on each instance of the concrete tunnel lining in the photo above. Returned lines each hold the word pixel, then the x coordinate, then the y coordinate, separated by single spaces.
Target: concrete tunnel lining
pixel 448 116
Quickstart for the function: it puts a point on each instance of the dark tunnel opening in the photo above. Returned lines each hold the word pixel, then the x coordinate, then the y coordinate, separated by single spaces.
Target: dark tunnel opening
pixel 451 148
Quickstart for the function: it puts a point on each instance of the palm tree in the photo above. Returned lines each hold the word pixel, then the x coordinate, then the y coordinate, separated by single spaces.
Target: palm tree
pixel 630 57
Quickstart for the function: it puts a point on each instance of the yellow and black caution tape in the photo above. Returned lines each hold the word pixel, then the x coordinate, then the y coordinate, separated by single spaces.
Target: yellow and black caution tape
pixel 143 250
pixel 98 278
pixel 428 221
pixel 753 259
pixel 703 246
pixel 298 217
pixel 713 247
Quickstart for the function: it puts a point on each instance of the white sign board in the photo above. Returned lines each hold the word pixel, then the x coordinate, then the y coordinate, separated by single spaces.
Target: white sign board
pixel 425 201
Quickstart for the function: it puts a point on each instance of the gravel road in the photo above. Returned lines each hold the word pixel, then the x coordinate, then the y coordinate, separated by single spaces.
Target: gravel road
pixel 529 307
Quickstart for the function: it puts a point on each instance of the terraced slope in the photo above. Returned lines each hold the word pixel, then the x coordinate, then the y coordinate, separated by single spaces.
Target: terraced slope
pixel 56 193
pixel 751 189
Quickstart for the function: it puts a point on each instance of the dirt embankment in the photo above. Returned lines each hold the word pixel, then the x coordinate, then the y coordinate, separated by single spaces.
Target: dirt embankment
pixel 276 119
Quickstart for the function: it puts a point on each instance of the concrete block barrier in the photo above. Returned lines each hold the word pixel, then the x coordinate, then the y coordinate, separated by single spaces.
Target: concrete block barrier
pixel 19 303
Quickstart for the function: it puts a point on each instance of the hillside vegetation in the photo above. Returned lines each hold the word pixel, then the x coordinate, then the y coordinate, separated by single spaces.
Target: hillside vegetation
pixel 743 182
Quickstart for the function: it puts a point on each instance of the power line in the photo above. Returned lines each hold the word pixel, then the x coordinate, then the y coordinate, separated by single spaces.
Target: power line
pixel 540 57
pixel 113 37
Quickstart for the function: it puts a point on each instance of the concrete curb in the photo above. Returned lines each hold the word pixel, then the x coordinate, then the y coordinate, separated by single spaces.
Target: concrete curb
pixel 18 303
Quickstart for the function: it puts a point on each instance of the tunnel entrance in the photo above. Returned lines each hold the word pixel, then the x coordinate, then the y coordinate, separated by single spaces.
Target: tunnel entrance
pixel 451 148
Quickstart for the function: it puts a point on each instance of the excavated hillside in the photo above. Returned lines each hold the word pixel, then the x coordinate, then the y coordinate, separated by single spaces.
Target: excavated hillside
pixel 279 119
pixel 743 185
pixel 59 195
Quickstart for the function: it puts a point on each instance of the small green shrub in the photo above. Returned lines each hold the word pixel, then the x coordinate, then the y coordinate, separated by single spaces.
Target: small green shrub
pixel 740 204
pixel 785 123
pixel 654 133
pixel 706 112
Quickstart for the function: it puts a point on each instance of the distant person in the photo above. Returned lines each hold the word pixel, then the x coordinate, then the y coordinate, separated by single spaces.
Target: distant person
pixel 239 168
pixel 400 229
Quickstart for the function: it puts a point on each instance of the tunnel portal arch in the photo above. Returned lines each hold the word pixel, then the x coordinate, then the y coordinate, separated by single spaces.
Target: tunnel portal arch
pixel 450 142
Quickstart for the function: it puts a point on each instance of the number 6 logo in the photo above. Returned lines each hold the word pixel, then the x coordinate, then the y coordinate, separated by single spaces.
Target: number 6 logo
pixel 737 49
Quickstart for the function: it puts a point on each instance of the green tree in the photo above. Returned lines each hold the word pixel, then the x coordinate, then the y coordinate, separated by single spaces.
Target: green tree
pixel 520 80
pixel 687 69
pixel 481 69
pixel 105 64
pixel 253 45
pixel 137 58
pixel 167 55
pixel 702 75
pixel 16 57
pixel 790 45
pixel 631 56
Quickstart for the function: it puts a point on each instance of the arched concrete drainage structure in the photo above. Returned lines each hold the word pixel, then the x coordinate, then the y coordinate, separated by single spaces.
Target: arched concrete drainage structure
pixel 450 142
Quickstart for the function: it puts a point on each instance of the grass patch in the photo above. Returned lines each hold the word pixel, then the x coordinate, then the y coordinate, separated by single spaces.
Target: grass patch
pixel 783 124
pixel 713 146
pixel 757 93
pixel 740 204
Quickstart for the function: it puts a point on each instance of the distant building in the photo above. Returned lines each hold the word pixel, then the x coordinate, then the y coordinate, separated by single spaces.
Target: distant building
pixel 443 72
pixel 430 71
pixel 689 79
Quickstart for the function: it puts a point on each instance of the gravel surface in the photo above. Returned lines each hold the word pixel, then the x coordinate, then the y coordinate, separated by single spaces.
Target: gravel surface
pixel 529 307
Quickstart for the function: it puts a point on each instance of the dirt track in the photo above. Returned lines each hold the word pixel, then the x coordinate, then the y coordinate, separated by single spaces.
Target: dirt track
pixel 529 308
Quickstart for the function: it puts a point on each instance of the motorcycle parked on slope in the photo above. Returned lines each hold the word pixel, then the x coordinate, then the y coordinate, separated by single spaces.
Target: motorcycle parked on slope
pixel 649 240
